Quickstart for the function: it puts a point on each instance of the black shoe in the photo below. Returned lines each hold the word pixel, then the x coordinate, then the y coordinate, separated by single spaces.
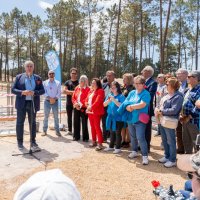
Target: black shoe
pixel 85 140
pixel 35 147
pixel 34 144
pixel 74 139
pixel 58 133
pixel 20 147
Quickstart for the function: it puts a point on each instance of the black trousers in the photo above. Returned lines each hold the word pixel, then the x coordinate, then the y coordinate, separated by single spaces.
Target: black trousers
pixel 69 109
pixel 115 136
pixel 21 115
pixel 80 118
pixel 148 133
pixel 106 134
pixel 179 133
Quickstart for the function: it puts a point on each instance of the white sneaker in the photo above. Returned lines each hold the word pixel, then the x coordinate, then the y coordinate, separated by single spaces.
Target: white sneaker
pixel 163 160
pixel 108 149
pixel 145 160
pixel 116 151
pixel 169 164
pixel 133 154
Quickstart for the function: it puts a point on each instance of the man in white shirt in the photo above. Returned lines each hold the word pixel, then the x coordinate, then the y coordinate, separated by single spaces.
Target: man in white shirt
pixel 52 89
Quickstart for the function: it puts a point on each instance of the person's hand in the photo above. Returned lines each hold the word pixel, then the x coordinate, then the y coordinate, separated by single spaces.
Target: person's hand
pixel 111 98
pixel 26 93
pixel 31 93
pixel 68 92
pixel 184 119
pixel 129 108
pixel 197 103
pixel 52 100
pixel 88 109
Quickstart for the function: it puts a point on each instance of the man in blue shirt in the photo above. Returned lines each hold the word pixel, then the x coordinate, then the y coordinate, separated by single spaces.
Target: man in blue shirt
pixel 27 87
pixel 52 89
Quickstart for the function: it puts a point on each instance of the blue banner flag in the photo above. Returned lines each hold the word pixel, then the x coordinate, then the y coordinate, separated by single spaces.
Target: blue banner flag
pixel 53 63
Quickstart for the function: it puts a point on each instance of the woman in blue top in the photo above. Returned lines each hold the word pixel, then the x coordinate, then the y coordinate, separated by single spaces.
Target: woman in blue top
pixel 139 99
pixel 171 107
pixel 114 121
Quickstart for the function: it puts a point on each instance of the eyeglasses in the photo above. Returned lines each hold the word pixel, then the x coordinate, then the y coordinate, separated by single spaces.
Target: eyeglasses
pixel 29 66
pixel 192 174
pixel 160 77
pixel 74 73
pixel 51 74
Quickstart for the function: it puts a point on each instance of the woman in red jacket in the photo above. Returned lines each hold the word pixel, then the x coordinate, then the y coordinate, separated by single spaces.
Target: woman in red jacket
pixel 95 110
pixel 78 99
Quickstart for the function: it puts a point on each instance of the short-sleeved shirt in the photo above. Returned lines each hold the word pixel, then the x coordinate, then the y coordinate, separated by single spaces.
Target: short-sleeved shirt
pixel 71 86
pixel 134 97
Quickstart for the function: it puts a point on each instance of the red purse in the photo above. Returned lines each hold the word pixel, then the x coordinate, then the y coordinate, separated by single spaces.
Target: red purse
pixel 144 118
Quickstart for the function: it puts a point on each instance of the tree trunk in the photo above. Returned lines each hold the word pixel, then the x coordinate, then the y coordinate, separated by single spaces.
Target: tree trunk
pixel 166 31
pixel 109 40
pixel 180 35
pixel 117 34
pixel 161 39
pixel 197 37
pixel 141 35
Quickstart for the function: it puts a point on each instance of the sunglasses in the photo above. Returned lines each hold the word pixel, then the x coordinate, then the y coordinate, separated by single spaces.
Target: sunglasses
pixel 138 83
pixel 191 175
pixel 191 76
pixel 74 73
pixel 51 73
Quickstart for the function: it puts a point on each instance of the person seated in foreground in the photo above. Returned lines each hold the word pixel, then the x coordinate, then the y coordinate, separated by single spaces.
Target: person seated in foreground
pixel 191 165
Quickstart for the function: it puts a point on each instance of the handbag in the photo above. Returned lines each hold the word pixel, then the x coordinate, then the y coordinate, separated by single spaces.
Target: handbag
pixel 144 118
pixel 169 122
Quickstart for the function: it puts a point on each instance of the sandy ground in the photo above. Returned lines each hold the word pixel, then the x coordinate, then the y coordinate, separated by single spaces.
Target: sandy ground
pixel 98 175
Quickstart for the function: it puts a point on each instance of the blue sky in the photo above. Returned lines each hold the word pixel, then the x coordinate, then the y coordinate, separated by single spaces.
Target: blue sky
pixel 35 7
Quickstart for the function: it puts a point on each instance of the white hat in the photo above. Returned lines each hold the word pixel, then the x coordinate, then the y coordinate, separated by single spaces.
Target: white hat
pixel 48 185
pixel 189 163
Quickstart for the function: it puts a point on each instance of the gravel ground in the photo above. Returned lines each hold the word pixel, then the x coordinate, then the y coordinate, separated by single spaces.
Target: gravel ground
pixel 98 175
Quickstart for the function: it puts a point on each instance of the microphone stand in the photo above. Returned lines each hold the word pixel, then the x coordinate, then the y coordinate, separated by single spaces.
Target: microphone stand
pixel 31 153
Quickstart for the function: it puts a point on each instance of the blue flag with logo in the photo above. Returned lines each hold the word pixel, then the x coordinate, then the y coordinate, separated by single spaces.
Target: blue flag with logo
pixel 53 63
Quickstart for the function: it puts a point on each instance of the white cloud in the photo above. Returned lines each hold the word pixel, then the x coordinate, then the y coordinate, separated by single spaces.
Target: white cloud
pixel 44 5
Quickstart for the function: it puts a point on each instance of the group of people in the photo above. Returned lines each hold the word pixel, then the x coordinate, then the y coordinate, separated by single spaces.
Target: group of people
pixel 125 111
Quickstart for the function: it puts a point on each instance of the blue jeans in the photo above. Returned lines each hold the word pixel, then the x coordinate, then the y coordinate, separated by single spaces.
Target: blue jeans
pixel 137 134
pixel 169 142
pixel 21 115
pixel 47 109
pixel 187 189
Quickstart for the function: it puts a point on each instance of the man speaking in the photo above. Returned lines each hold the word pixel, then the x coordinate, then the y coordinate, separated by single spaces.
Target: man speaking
pixel 27 87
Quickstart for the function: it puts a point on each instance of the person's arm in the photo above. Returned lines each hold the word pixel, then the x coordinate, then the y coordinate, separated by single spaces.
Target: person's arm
pixel 99 99
pixel 175 108
pixel 14 88
pixel 145 100
pixel 58 95
pixel 137 106
pixel 40 91
pixel 69 92
pixel 197 104
pixel 117 103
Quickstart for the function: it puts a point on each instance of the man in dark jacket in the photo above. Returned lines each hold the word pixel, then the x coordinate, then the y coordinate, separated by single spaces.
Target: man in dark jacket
pixel 151 87
pixel 27 87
